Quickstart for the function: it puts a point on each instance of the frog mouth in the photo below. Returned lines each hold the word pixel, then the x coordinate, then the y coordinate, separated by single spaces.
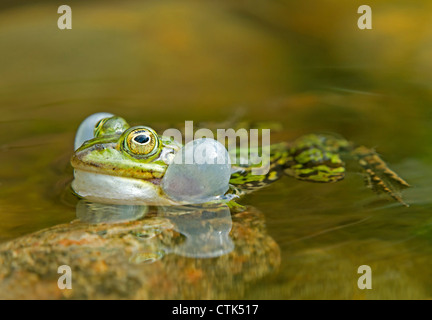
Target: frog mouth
pixel 119 167
pixel 119 190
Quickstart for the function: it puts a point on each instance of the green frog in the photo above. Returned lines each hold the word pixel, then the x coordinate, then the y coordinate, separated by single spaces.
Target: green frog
pixel 122 164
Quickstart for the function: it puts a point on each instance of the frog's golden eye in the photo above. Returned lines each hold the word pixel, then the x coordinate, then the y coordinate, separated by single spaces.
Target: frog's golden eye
pixel 141 141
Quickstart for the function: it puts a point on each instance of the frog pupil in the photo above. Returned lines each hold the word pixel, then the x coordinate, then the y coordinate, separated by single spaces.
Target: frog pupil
pixel 142 139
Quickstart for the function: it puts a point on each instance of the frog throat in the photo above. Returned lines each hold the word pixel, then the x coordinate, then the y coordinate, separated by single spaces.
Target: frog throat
pixel 99 187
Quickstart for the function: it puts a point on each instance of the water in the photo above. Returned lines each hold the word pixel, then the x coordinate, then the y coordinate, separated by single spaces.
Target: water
pixel 305 66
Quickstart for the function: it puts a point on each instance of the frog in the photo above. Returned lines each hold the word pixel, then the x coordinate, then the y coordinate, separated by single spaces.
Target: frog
pixel 121 163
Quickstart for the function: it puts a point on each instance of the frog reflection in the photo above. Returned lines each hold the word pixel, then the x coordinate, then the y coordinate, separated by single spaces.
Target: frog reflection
pixel 205 227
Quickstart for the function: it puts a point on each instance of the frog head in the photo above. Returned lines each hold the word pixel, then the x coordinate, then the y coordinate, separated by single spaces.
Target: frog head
pixel 121 163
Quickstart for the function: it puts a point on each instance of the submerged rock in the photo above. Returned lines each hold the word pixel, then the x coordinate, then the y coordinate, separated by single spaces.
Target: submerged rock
pixel 142 259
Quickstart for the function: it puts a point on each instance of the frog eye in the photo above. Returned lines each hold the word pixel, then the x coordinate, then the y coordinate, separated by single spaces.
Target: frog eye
pixel 110 126
pixel 141 141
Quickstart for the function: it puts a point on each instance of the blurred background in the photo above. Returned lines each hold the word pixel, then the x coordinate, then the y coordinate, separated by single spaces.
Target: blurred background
pixel 305 65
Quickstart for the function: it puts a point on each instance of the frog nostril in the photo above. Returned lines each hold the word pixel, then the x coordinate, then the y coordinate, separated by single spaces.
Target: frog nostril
pixel 142 138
